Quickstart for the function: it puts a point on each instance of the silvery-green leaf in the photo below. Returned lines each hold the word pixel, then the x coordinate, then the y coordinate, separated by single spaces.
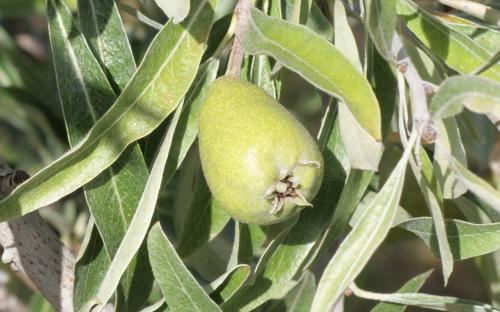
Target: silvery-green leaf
pixel 203 221
pixel 316 20
pixel 432 302
pixel 261 75
pixel 412 285
pixel 401 215
pixel 102 27
pixel 300 11
pixel 380 74
pixel 359 245
pixel 92 262
pixel 488 38
pixel 466 239
pixel 177 10
pixel 288 43
pixel 85 95
pixel 137 230
pixel 181 291
pixel 457 50
pixel 431 190
pixel 381 21
pixel 232 282
pixel 299 298
pixel 478 94
pixel 476 185
pixel 186 135
pixel 152 94
pixel 448 143
pixel 363 150
pixel 346 209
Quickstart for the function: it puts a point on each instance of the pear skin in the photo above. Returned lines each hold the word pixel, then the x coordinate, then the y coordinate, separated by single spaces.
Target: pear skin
pixel 261 164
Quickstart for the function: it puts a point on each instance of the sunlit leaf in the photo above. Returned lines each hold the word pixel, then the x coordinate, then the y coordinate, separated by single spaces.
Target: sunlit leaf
pixel 288 43
pixel 177 10
pixel 152 94
pixel 359 245
pixel 381 21
pixel 466 239
pixel 480 95
pixel 179 287
pixel 426 301
pixel 456 49
pixel 85 95
pixel 412 285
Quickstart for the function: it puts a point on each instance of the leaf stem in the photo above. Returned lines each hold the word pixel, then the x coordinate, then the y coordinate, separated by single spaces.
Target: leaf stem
pixel 242 12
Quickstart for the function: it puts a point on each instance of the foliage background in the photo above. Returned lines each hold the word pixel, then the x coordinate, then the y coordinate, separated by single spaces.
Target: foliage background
pixel 33 134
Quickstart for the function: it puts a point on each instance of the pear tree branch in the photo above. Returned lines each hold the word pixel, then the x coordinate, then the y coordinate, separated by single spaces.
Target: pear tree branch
pixel 31 248
pixel 242 14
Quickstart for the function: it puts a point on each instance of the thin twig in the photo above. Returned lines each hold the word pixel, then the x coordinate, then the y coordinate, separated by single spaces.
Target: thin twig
pixel 242 12
pixel 419 90
pixel 33 249
pixel 479 10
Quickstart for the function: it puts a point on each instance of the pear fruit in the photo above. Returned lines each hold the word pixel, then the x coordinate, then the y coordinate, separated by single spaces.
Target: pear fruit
pixel 260 163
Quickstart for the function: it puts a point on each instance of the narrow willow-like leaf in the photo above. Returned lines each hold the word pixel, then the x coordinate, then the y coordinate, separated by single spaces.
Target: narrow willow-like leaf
pixel 476 185
pixel 411 286
pixel 299 299
pixel 466 239
pixel 456 49
pixel 91 265
pixel 433 302
pixel 381 75
pixel 261 75
pixel 363 150
pixel 157 306
pixel 186 135
pixel 448 143
pixel 478 94
pixel 487 38
pixel 85 95
pixel 355 186
pixel 286 255
pixel 381 21
pixel 204 219
pixel 148 99
pixel 139 225
pixel 401 215
pixel 364 239
pixel 180 289
pixel 431 189
pixel 300 12
pixel 177 10
pixel 434 198
pixel 232 282
pixel 303 51
pixel 316 20
pixel 102 27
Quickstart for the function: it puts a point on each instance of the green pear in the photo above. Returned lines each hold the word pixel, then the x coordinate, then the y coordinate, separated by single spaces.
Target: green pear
pixel 260 163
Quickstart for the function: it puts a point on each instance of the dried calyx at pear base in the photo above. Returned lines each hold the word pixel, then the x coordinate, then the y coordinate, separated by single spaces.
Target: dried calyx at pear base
pixel 260 162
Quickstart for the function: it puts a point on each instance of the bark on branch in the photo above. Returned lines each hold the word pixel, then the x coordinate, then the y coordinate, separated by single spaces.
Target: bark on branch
pixel 32 248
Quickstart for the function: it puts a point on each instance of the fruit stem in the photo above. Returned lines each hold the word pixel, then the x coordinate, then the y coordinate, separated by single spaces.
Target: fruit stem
pixel 242 12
